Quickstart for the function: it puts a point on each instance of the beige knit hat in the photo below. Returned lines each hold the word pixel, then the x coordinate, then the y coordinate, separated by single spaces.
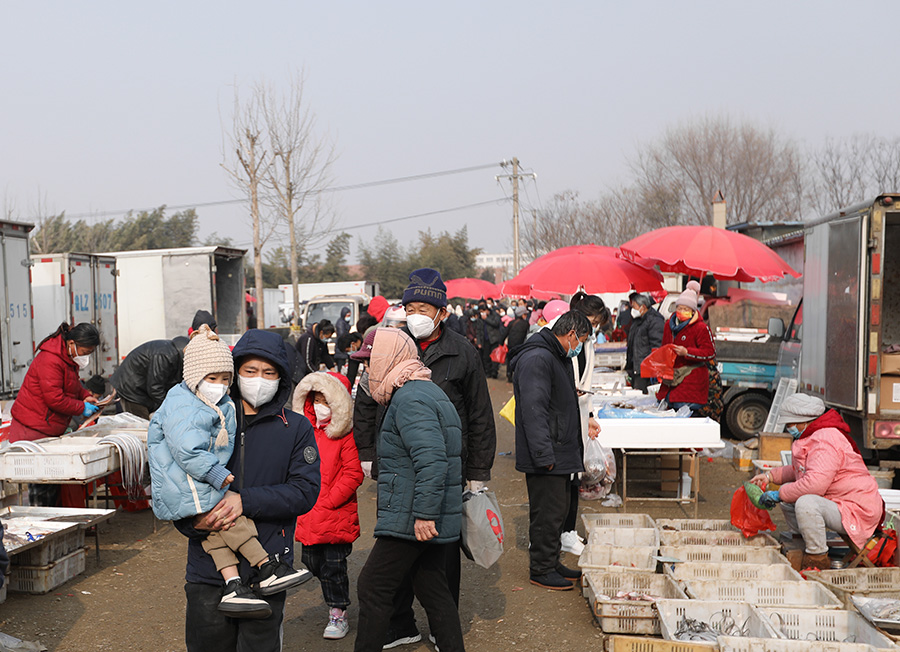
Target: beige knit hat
pixel 205 354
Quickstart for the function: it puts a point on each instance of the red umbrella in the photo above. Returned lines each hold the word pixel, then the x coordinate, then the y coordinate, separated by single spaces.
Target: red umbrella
pixel 698 250
pixel 594 268
pixel 471 288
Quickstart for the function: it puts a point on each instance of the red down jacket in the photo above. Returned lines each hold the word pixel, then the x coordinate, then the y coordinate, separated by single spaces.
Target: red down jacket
pixel 335 518
pixel 51 393
pixel 696 338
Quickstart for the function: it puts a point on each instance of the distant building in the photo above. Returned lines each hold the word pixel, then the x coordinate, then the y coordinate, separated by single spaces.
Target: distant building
pixel 500 264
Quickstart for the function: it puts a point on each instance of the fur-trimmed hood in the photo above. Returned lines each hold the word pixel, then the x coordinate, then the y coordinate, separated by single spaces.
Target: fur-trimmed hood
pixel 336 389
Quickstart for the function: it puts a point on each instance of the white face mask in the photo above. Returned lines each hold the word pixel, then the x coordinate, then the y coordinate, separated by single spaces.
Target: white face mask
pixel 420 326
pixel 635 313
pixel 82 360
pixel 323 413
pixel 257 390
pixel 212 391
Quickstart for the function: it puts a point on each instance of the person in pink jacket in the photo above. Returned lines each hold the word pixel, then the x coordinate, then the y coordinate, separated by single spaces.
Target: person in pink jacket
pixel 827 484
pixel 328 531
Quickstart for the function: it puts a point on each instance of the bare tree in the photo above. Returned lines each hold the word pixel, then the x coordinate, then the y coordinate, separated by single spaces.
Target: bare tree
pixel 840 173
pixel 301 165
pixel 755 168
pixel 247 170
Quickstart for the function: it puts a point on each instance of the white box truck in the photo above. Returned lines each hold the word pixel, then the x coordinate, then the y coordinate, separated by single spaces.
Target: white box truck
pixel 78 288
pixel 159 290
pixel 16 313
pixel 850 314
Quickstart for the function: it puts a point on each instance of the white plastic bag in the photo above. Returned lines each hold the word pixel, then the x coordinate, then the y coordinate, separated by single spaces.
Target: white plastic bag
pixel 482 527
pixel 599 467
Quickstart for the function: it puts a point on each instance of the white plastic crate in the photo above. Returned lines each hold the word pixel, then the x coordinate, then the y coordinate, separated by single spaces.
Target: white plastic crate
pixel 592 521
pixel 869 582
pixel 64 458
pixel 599 556
pixel 630 537
pixel 741 614
pixel 724 554
pixel 42 579
pixel 764 593
pixel 738 644
pixel 824 625
pixel 695 524
pixel 53 547
pixel 618 616
pixel 694 571
pixel 715 538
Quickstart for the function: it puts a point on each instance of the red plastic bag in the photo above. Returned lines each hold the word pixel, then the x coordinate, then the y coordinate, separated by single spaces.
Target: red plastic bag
pixel 883 551
pixel 660 363
pixel 747 518
pixel 498 355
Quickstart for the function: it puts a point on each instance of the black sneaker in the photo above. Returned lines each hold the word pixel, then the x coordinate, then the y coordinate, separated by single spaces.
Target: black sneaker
pixel 239 601
pixel 568 573
pixel 553 581
pixel 275 576
pixel 395 639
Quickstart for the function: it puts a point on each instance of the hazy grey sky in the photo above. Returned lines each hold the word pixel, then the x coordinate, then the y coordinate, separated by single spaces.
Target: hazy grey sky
pixel 116 105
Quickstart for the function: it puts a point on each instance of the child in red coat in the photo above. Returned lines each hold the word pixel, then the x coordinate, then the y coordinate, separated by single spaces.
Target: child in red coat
pixel 328 531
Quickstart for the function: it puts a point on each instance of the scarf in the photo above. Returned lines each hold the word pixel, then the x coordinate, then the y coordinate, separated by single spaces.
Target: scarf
pixel 831 419
pixel 675 326
pixel 393 363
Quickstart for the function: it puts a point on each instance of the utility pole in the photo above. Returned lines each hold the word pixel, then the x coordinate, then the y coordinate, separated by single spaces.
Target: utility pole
pixel 514 177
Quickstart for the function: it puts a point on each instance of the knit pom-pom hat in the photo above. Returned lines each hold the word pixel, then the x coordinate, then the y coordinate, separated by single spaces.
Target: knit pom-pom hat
pixel 206 354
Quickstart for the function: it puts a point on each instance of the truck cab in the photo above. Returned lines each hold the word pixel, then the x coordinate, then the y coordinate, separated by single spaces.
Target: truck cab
pixel 329 306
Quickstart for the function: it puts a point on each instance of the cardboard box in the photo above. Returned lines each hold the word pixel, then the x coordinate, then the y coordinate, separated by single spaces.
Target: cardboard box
pixel 670 470
pixel 772 443
pixel 890 393
pixel 742 459
pixel 890 364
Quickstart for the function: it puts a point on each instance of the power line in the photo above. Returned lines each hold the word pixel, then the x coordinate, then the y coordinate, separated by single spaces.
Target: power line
pixel 353 186
pixel 406 217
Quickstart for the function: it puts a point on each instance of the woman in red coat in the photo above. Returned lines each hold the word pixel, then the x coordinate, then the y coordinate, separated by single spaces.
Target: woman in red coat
pixel 694 347
pixel 52 393
pixel 328 531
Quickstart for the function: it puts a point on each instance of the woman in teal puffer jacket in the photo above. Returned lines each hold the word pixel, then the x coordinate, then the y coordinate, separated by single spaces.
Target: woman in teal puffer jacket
pixel 419 493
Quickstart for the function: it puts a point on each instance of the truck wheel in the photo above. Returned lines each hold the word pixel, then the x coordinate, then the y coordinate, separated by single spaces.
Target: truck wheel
pixel 746 415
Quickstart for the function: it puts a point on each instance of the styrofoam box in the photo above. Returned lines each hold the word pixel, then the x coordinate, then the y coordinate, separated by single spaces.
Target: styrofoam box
pixel 615 557
pixel 638 537
pixel 715 538
pixel 660 433
pixel 42 579
pixel 724 554
pixel 764 592
pixel 738 644
pixel 695 571
pixel 695 524
pixel 824 625
pixel 592 521
pixel 741 613
pixel 68 458
pixel 618 616
pixel 53 548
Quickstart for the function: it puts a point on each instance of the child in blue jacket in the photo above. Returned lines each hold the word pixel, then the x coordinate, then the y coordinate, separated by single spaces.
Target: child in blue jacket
pixel 190 439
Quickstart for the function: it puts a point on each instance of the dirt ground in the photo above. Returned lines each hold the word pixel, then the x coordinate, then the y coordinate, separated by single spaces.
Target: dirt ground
pixel 133 598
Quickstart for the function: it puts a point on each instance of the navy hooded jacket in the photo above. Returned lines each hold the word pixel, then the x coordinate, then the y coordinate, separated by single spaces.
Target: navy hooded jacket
pixel 275 466
pixel 548 422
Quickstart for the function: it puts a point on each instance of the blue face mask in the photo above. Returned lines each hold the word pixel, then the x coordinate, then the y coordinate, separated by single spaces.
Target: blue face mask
pixel 573 353
pixel 793 431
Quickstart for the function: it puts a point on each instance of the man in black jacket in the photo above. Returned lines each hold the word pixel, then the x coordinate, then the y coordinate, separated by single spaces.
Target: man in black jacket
pixel 487 338
pixel 516 334
pixel 312 349
pixel 644 335
pixel 548 439
pixel 456 369
pixel 147 374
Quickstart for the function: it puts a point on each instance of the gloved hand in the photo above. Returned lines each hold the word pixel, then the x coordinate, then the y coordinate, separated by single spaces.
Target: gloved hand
pixel 475 485
pixel 769 499
pixel 367 469
pixel 89 409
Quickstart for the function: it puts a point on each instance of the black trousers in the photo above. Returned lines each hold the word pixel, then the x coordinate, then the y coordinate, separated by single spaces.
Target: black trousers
pixel 548 500
pixel 390 561
pixel 209 630
pixel 638 382
pixel 491 368
pixel 571 522
pixel 403 620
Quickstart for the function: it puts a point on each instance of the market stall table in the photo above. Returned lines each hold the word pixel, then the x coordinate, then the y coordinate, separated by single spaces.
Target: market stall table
pixel 654 436
pixel 65 517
